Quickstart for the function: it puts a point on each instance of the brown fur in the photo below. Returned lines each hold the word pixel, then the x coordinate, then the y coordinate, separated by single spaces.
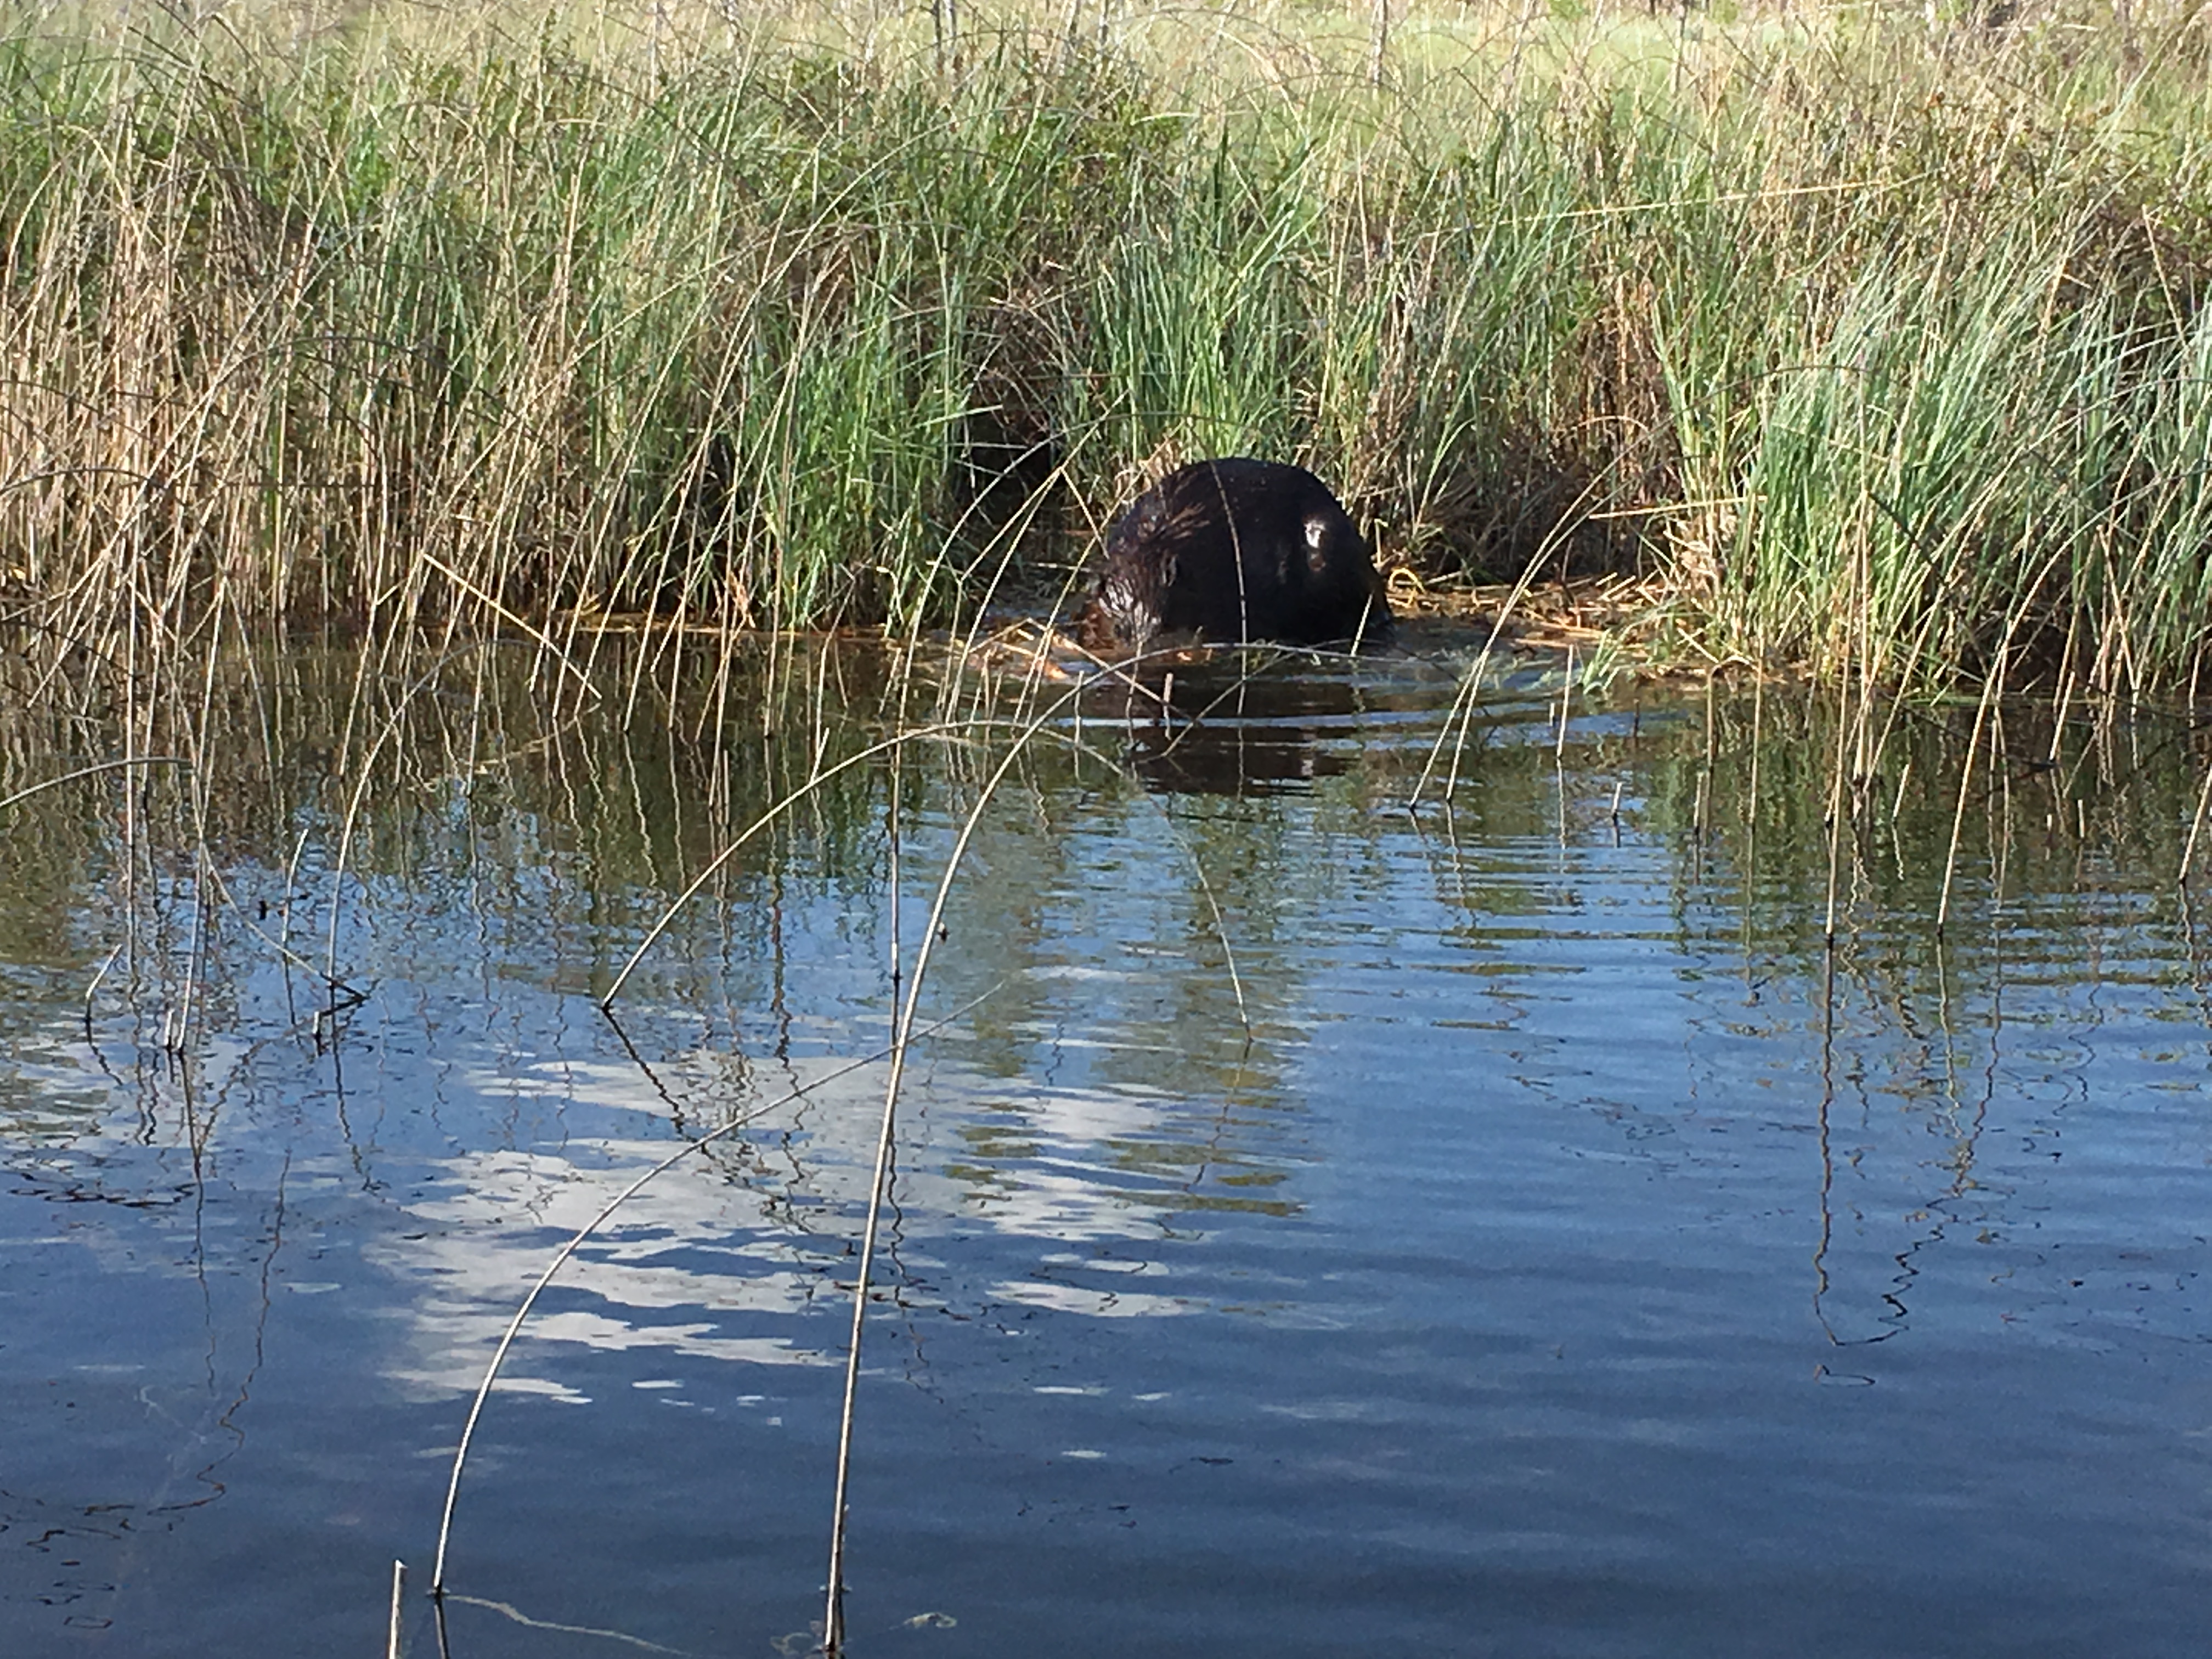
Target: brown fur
pixel 1234 550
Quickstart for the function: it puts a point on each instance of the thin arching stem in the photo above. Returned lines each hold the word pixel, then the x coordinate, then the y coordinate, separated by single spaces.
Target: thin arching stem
pixel 834 1617
pixel 561 1259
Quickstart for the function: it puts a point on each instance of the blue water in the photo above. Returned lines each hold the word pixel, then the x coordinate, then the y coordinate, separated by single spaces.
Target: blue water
pixel 1318 1226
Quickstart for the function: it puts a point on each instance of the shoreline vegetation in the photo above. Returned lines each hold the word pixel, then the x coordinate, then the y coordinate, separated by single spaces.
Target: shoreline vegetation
pixel 1868 345
pixel 1868 342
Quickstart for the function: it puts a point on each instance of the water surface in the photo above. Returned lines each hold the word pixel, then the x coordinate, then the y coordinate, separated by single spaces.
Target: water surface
pixel 1319 1226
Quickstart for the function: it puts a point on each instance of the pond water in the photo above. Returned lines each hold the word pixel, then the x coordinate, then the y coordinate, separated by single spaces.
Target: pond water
pixel 1317 1226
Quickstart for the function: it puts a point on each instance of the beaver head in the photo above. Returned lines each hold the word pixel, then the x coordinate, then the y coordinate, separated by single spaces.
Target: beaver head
pixel 1234 550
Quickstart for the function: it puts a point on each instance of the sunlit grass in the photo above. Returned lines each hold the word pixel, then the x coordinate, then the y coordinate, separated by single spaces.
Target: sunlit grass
pixel 1876 342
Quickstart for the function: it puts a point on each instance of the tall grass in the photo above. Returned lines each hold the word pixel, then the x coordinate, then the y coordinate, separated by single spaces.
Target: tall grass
pixel 1876 342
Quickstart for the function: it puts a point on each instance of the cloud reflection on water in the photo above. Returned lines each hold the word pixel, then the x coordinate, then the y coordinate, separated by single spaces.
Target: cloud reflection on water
pixel 722 1255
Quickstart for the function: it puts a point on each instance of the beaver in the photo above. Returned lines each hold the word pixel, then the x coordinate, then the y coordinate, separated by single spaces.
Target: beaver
pixel 1233 551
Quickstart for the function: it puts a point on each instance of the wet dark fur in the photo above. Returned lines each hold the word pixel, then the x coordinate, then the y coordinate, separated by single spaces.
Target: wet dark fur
pixel 1234 550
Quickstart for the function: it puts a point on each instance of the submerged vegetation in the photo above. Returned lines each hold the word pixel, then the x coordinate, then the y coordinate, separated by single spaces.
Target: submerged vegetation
pixel 1867 340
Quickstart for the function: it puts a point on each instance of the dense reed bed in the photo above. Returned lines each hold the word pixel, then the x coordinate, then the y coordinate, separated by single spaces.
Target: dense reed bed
pixel 1869 340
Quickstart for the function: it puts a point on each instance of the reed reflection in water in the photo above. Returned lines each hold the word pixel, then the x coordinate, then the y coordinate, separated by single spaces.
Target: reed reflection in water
pixel 1504 1225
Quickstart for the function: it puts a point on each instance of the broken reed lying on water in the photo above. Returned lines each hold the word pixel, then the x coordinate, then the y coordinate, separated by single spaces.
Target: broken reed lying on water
pixel 1875 341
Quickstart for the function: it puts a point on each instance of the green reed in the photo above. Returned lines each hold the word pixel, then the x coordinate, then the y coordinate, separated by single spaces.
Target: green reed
pixel 1872 344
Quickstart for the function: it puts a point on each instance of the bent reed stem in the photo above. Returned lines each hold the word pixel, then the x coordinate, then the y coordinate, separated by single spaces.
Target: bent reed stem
pixel 576 1240
pixel 834 1614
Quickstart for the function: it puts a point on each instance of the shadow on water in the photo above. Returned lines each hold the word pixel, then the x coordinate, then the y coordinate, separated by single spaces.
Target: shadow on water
pixel 1505 1223
pixel 1243 724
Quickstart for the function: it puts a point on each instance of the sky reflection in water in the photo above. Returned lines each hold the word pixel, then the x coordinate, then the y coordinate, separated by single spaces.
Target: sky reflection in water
pixel 1518 1252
